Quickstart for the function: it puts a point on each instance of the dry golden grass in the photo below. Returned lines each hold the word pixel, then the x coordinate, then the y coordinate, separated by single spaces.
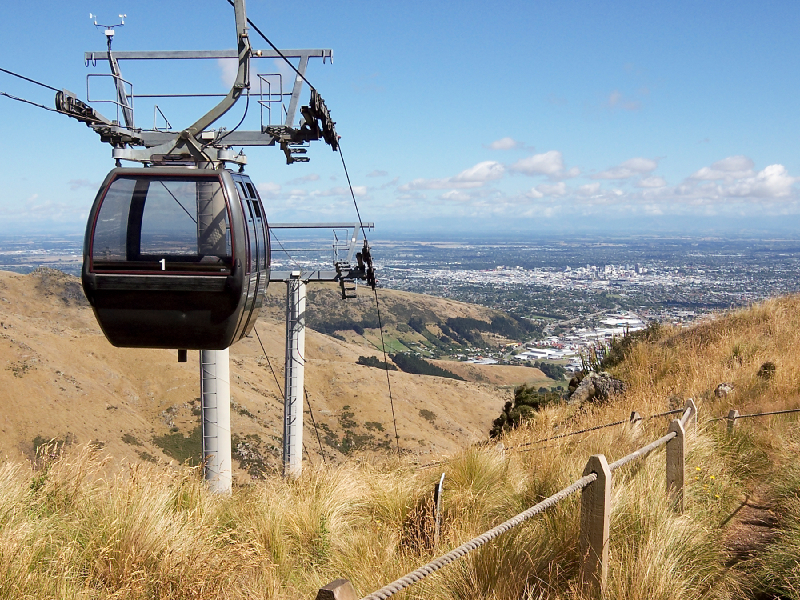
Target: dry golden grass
pixel 68 532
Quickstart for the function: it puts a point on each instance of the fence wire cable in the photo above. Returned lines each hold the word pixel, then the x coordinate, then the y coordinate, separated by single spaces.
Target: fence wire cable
pixel 435 565
pixel 765 414
pixel 595 428
pixel 641 452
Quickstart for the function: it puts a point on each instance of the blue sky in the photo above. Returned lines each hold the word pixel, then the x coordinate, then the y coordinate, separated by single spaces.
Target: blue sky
pixel 519 117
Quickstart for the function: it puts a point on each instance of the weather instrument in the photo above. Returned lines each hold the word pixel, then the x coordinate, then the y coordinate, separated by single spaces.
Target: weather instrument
pixel 177 249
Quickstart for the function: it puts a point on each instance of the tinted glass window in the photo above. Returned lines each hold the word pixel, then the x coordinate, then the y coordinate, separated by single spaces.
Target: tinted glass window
pixel 162 224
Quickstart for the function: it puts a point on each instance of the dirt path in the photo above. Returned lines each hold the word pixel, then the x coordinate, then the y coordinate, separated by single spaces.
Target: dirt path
pixel 750 528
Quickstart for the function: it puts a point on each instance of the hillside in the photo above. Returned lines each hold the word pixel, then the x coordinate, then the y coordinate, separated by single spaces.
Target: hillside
pixel 62 380
pixel 69 530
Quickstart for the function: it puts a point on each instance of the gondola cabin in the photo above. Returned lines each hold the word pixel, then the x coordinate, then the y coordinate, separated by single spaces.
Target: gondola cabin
pixel 176 257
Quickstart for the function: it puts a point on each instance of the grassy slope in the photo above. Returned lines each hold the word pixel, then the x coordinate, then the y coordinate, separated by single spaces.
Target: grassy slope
pixel 62 379
pixel 66 532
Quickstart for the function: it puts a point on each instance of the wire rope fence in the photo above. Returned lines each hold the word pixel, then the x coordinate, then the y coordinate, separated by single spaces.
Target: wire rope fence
pixel 595 487
pixel 733 415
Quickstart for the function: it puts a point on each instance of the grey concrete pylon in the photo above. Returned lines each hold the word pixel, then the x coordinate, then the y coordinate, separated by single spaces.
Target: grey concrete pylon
pixel 294 376
pixel 215 406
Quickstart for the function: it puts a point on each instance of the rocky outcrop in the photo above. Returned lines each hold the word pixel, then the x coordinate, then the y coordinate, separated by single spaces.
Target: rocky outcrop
pixel 595 387
pixel 723 390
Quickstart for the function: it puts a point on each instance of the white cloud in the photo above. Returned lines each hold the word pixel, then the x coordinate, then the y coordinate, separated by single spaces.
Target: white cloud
pixel 437 184
pixel 389 184
pixel 733 167
pixel 549 163
pixel 268 189
pixel 305 179
pixel 76 184
pixel 482 172
pixel 534 193
pixel 558 189
pixel 412 195
pixel 469 178
pixel 377 173
pixel 358 190
pixel 651 182
pixel 228 68
pixel 773 182
pixel 456 195
pixel 590 189
pixel 630 168
pixel 505 143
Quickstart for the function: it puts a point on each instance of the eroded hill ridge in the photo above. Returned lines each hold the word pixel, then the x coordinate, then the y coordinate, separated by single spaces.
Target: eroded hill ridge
pixel 63 380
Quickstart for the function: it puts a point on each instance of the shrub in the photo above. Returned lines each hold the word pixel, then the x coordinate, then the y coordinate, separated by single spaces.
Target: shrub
pixel 767 370
pixel 371 361
pixel 526 403
pixel 419 366
pixel 551 370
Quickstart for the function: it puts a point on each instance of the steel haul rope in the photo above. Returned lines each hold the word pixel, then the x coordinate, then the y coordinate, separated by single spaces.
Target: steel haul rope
pixel 358 214
pixel 28 102
pixel 44 85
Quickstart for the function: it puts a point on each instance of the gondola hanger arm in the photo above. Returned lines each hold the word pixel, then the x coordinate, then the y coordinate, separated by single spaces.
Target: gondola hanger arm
pixel 242 81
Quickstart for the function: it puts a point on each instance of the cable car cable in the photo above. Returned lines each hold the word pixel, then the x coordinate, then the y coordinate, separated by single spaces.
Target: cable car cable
pixel 289 256
pixel 314 422
pixel 307 454
pixel 269 363
pixel 28 102
pixel 275 377
pixel 360 221
pixel 352 193
pixel 386 368
pixel 377 303
pixel 274 47
pixel 44 85
pixel 178 201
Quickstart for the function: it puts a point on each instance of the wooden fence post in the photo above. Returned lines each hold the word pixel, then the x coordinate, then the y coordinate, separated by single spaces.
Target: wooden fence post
pixel 595 525
pixel 731 418
pixel 675 464
pixel 636 421
pixel 339 589
pixel 693 415
pixel 437 501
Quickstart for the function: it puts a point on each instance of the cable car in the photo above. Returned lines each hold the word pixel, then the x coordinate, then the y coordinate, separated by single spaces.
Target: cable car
pixel 176 257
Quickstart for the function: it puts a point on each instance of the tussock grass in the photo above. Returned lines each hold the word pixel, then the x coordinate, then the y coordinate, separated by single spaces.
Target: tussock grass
pixel 68 531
